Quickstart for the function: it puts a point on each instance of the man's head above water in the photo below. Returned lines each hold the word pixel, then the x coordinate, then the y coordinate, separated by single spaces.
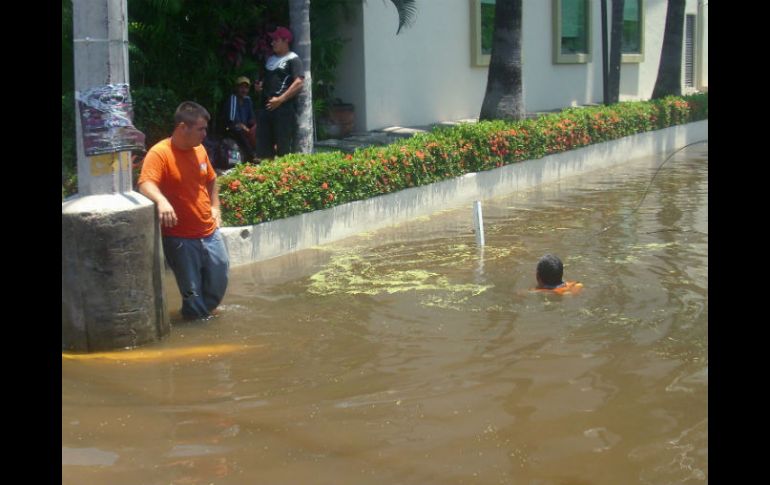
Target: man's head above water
pixel 550 271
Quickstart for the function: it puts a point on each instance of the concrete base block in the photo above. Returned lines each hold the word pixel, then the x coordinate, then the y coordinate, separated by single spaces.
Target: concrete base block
pixel 112 273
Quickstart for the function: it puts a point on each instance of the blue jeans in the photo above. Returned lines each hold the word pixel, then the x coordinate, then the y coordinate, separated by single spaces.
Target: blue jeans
pixel 200 267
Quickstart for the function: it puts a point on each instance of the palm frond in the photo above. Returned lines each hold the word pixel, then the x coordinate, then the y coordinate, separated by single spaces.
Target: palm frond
pixel 407 9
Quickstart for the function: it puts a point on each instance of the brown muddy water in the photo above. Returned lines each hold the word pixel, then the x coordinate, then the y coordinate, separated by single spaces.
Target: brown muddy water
pixel 409 356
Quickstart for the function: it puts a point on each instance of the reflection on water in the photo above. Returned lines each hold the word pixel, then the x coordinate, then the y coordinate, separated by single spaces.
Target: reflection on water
pixel 411 356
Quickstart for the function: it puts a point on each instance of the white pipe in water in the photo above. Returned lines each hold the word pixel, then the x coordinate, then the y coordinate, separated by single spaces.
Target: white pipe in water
pixel 478 223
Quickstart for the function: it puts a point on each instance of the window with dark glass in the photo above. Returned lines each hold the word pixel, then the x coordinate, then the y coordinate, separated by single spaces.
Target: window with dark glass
pixel 574 28
pixel 632 42
pixel 482 30
pixel 572 31
pixel 487 25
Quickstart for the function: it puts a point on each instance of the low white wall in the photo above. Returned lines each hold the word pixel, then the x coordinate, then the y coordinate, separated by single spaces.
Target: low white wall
pixel 248 244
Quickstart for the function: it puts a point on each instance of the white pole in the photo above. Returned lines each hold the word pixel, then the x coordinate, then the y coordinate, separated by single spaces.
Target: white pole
pixel 100 51
pixel 478 223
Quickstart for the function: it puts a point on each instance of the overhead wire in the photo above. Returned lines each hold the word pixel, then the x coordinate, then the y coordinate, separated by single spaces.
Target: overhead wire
pixel 650 184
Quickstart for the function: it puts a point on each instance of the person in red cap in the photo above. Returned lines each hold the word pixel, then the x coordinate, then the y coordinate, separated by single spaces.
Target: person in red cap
pixel 277 116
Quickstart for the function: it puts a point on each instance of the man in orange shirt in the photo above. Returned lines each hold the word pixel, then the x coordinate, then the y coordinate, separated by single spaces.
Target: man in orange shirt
pixel 177 175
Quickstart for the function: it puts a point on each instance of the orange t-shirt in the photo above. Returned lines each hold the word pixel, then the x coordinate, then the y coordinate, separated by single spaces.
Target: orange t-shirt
pixel 182 176
pixel 568 288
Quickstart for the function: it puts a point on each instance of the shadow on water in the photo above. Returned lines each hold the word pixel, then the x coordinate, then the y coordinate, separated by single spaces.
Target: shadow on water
pixel 409 355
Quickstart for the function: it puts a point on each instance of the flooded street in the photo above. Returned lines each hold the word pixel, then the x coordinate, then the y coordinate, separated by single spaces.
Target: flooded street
pixel 410 356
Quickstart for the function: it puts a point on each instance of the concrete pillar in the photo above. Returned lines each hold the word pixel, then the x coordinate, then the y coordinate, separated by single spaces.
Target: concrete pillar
pixel 112 271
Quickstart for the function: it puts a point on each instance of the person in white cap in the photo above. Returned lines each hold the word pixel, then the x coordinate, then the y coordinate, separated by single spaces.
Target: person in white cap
pixel 240 120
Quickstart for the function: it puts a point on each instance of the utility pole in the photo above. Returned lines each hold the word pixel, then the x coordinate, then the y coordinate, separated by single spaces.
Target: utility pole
pixel 112 270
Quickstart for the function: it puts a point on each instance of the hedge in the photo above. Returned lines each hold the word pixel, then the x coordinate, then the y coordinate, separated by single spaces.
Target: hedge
pixel 297 183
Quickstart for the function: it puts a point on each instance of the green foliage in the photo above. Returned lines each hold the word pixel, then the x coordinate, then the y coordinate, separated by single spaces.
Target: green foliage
pixel 68 146
pixel 69 181
pixel 154 112
pixel 67 66
pixel 300 183
pixel 195 48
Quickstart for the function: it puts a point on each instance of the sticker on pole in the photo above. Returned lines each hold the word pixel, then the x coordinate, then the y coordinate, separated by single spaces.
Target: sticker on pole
pixel 106 114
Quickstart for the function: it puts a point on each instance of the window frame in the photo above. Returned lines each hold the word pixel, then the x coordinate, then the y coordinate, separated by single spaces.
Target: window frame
pixel 579 58
pixel 636 57
pixel 478 58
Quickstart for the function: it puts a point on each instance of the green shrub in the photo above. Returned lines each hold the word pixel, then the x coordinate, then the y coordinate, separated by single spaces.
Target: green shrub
pixel 154 112
pixel 299 183
pixel 69 181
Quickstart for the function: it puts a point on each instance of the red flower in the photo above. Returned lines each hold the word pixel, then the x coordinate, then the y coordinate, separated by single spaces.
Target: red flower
pixel 234 185
pixel 324 186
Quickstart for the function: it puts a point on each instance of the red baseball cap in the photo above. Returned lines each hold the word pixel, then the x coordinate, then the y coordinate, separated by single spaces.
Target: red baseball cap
pixel 281 33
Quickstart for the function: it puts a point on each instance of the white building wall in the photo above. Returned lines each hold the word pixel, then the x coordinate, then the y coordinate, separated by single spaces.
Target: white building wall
pixel 424 74
pixel 351 77
pixel 548 86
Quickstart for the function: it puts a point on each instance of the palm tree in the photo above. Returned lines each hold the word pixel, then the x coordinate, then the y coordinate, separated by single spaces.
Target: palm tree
pixel 299 16
pixel 503 96
pixel 669 81
pixel 616 35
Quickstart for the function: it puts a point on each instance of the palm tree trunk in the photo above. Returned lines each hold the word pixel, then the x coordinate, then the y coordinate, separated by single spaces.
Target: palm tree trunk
pixel 299 16
pixel 605 56
pixel 503 96
pixel 616 35
pixel 669 81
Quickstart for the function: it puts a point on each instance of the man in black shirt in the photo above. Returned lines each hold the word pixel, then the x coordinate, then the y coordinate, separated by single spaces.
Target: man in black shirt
pixel 284 76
